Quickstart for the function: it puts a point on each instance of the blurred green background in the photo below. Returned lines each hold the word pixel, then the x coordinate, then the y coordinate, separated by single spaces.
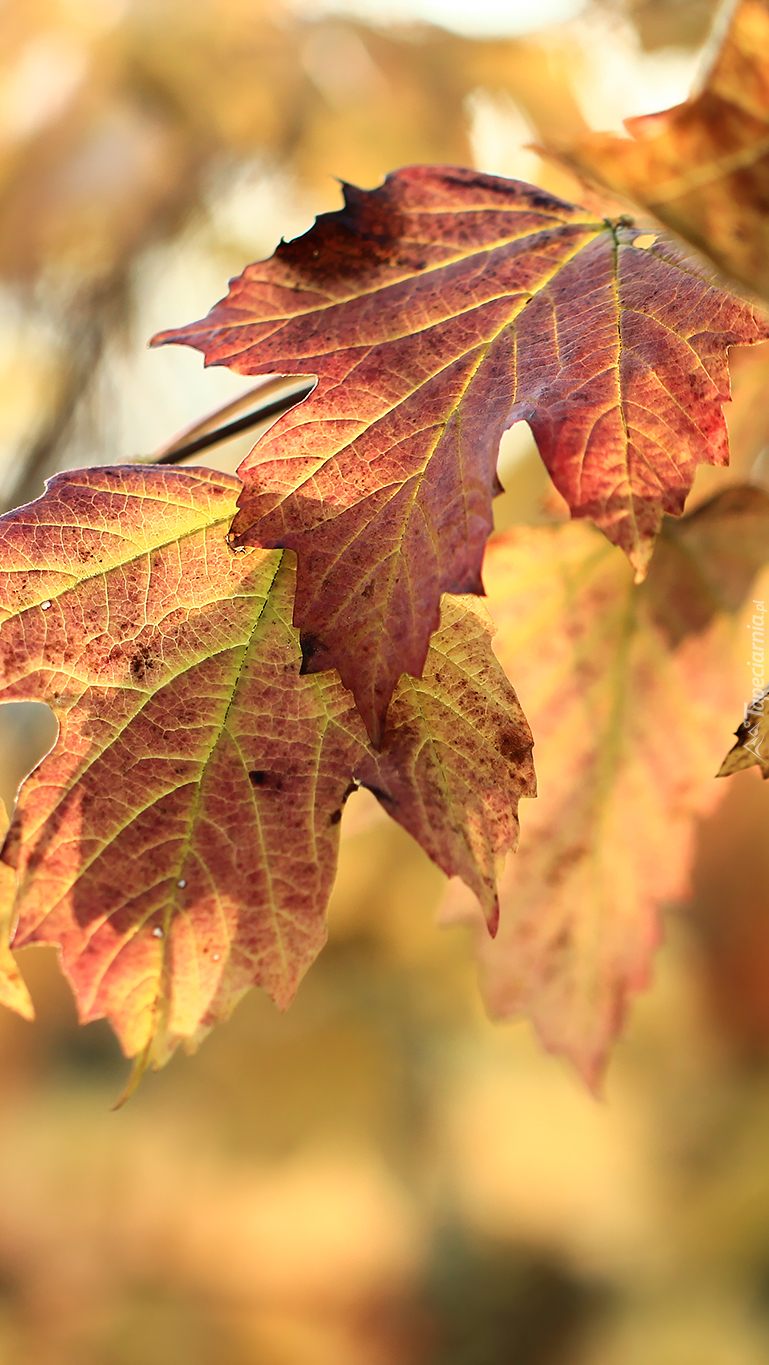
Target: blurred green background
pixel 381 1176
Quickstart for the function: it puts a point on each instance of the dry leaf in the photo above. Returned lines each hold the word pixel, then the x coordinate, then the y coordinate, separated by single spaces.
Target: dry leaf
pixel 626 689
pixel 179 841
pixel 436 311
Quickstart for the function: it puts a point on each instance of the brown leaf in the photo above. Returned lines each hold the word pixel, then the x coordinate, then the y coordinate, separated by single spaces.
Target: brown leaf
pixel 436 311
pixel 179 842
pixel 751 749
pixel 702 168
pixel 705 563
pixel 629 726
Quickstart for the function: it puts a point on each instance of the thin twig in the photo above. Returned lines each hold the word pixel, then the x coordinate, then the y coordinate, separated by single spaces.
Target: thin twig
pixel 211 431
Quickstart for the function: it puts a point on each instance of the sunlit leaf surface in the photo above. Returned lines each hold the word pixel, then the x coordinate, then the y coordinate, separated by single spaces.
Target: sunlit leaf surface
pixel 436 311
pixel 179 842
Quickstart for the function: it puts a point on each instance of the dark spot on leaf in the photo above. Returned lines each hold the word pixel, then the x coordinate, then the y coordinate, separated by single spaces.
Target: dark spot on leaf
pixel 310 645
pixel 141 663
pixel 315 655
pixel 268 781
pixel 336 816
pixel 514 747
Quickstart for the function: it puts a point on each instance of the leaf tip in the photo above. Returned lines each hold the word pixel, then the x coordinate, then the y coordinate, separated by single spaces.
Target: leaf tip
pixel 13 991
pixel 492 918
pixel 591 1063
pixel 640 565
pixel 140 1064
pixel 159 339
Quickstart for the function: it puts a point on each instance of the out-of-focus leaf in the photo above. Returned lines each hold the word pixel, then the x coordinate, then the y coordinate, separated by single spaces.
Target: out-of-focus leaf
pixel 179 842
pixel 436 311
pixel 112 124
pixel 13 992
pixel 669 23
pixel 703 167
pixel 626 688
pixel 705 563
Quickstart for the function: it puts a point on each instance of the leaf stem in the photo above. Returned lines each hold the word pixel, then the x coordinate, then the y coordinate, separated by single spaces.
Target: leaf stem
pixel 209 431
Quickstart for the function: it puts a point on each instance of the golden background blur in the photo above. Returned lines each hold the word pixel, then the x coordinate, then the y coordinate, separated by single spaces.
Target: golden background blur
pixel 382 1176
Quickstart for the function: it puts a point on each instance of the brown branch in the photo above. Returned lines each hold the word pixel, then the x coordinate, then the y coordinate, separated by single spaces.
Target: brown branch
pixel 210 430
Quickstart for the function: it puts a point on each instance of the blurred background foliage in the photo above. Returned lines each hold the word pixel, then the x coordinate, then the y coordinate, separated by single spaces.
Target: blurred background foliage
pixel 382 1176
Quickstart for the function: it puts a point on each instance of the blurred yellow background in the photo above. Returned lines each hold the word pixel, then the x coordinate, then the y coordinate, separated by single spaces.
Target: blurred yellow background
pixel 382 1176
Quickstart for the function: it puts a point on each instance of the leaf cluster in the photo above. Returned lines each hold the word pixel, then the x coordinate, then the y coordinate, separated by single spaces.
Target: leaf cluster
pixel 230 659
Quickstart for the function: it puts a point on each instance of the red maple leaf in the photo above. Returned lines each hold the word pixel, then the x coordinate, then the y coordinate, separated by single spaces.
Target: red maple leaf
pixel 436 311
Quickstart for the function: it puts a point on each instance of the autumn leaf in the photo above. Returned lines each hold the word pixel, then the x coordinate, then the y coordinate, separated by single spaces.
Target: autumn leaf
pixel 702 168
pixel 705 563
pixel 13 992
pixel 626 688
pixel 179 842
pixel 436 311
pixel 751 749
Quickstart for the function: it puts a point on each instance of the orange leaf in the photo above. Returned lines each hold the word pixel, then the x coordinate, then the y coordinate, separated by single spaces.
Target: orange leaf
pixel 626 688
pixel 179 842
pixel 703 167
pixel 751 749
pixel 13 992
pixel 436 311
